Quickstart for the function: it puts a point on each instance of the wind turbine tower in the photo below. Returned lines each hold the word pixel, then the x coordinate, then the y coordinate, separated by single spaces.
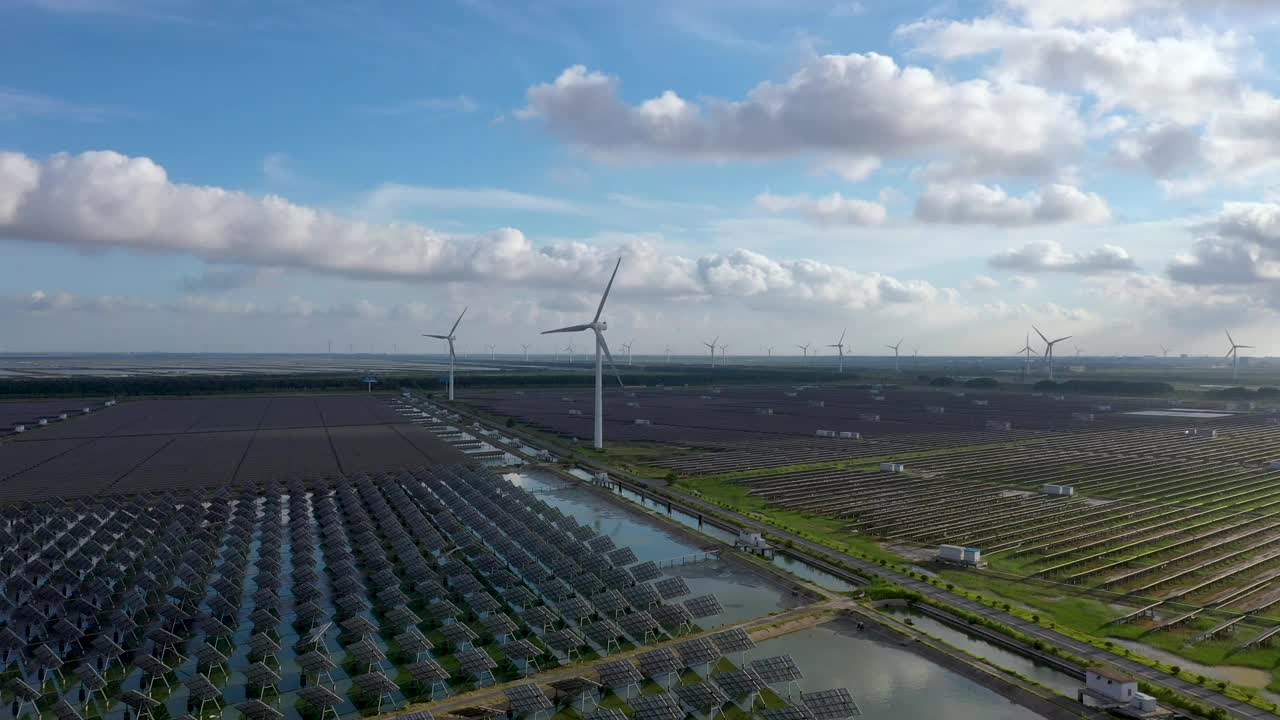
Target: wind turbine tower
pixel 491 349
pixel 1048 348
pixel 668 354
pixel 627 346
pixel 712 346
pixel 723 359
pixel 1234 354
pixel 450 338
pixel 598 327
pixel 1164 350
pixel 839 346
pixel 805 349
pixel 570 350
pixel 526 352
pixel 1027 351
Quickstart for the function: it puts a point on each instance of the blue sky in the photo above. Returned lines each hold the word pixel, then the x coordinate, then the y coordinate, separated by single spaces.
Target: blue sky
pixel 270 175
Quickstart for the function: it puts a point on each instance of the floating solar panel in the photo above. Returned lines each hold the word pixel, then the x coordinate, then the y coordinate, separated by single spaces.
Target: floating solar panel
pixel 564 641
pixel 260 675
pixel 622 556
pixel 521 649
pixel 258 710
pixel 413 642
pixel 733 641
pixel 663 706
pixel 375 683
pixel 704 606
pixel 778 669
pixel 359 625
pixel 428 671
pixel 672 587
pixel 603 632
pixel 639 624
pixel 64 711
pixel 458 633
pixel 834 704
pixel 319 697
pixel 740 683
pixel 656 663
pixel 641 597
pixel 645 571
pixel 672 617
pixel 618 674
pixel 316 663
pixel 201 690
pixel 702 697
pixel 475 661
pixel 699 651
pixel 527 699
pixel 788 712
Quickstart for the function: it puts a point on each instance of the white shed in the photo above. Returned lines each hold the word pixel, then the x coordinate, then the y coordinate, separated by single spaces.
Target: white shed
pixel 1111 684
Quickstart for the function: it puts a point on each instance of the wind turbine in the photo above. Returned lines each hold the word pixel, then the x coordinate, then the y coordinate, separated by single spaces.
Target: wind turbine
pixel 668 354
pixel 491 349
pixel 1048 348
pixel 805 349
pixel 894 348
pixel 598 327
pixel 769 349
pixel 1234 354
pixel 1164 350
pixel 450 338
pixel 712 346
pixel 1078 350
pixel 570 350
pixel 526 352
pixel 627 346
pixel 839 346
pixel 723 359
pixel 1027 351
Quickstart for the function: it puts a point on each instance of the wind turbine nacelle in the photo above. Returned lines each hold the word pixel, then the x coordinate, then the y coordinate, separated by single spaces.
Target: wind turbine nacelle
pixel 602 325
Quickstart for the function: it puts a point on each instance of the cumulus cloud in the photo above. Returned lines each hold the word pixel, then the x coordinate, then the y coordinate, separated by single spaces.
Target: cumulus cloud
pixel 221 279
pixel 973 203
pixel 392 198
pixel 1024 282
pixel 983 283
pixel 1182 77
pixel 1242 248
pixel 106 200
pixel 1089 12
pixel 833 209
pixel 862 106
pixel 1049 256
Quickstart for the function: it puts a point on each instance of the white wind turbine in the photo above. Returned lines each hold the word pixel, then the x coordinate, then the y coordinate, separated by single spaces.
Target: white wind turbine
pixel 491 349
pixel 450 338
pixel 769 349
pixel 668 354
pixel 526 352
pixel 805 349
pixel 839 346
pixel 627 346
pixel 1027 351
pixel 1164 350
pixel 712 346
pixel 570 350
pixel 1234 354
pixel 1048 348
pixel 723 360
pixel 894 348
pixel 598 327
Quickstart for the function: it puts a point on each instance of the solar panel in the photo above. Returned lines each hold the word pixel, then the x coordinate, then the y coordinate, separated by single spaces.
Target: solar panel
pixel 605 713
pixel 475 661
pixel 788 712
pixel 540 616
pixel 564 640
pixel 656 663
pixel 699 651
pixel 645 571
pixel 527 699
pixel 701 696
pixel 359 625
pixel 316 662
pixel 319 697
pixel 704 606
pixel 135 700
pixel 428 671
pixel 152 665
pixel 575 608
pixel 777 669
pixel 610 602
pixel 64 711
pixel 412 641
pixel 640 596
pixel 201 690
pixel 834 704
pixel 375 683
pixel 672 587
pixel 521 649
pixel 603 632
pixel 740 683
pixel 622 556
pixel 638 624
pixel 672 617
pixel 618 674
pixel 663 706
pixel 259 675
pixel 90 678
pixel 733 641
pixel 458 633
pixel 258 710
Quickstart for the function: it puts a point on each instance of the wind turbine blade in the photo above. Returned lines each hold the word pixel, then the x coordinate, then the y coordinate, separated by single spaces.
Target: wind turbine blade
pixel 607 288
pixel 842 332
pixel 1055 342
pixel 1229 338
pixel 1247 347
pixel 1042 337
pixel 455 322
pixel 438 337
pixel 1229 352
pixel 571 328
pixel 609 356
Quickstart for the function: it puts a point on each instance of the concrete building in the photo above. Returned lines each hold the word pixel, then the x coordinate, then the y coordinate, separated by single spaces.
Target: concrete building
pixel 1111 684
pixel 892 467
pixel 960 555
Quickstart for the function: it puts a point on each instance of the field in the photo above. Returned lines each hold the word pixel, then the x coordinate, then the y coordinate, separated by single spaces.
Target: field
pixel 1172 535
pixel 150 445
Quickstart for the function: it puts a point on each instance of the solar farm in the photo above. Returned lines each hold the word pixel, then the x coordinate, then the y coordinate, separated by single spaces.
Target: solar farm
pixel 1173 512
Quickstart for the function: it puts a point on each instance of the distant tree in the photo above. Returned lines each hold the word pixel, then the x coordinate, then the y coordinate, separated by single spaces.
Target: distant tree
pixel 942 381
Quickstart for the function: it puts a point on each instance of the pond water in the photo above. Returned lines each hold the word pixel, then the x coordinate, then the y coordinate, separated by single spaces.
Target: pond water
pixel 888 682
pixel 1234 674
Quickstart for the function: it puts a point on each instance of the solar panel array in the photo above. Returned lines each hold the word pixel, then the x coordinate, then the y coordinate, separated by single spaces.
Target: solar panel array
pixel 834 704
pixel 350 573
pixel 777 669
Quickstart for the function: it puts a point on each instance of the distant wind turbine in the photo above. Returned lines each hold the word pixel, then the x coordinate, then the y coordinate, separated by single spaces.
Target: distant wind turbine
pixel 450 338
pixel 1027 351
pixel 894 348
pixel 491 349
pixel 627 346
pixel 712 346
pixel 1164 350
pixel 769 349
pixel 839 346
pixel 526 352
pixel 723 359
pixel 598 327
pixel 805 349
pixel 1048 348
pixel 668 354
pixel 1234 354
pixel 570 350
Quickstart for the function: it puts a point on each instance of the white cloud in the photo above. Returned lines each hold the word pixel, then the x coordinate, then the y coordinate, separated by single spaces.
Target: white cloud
pixel 1243 248
pixel 983 283
pixel 1049 256
pixel 106 200
pixel 1024 282
pixel 391 199
pixel 833 209
pixel 1088 12
pixel 858 106
pixel 973 203
pixel 17 105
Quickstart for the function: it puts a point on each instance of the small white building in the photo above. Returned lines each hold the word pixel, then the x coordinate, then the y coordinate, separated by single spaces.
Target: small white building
pixel 817 403
pixel 764 411
pixel 1108 683
pixel 19 428
pixel 935 410
pixel 633 403
pixel 1082 416
pixel 643 421
pixel 574 411
pixel 960 555
pixel 891 467
pixel 999 425
pixel 752 542
pixel 869 417
pixel 981 403
pixel 825 433
pixel 1058 490
pixel 847 435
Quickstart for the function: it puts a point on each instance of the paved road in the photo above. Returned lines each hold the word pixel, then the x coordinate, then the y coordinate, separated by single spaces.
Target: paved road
pixel 1209 697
